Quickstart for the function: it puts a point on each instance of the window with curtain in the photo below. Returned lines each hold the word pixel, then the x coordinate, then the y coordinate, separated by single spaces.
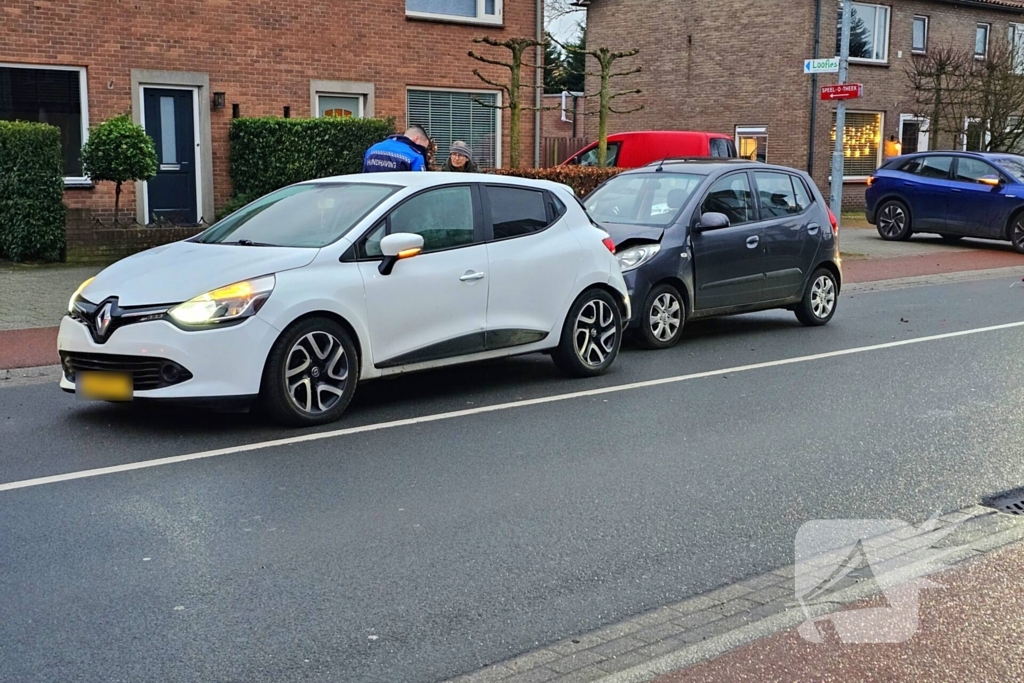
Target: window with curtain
pixel 862 143
pixel 485 11
pixel 448 116
pixel 53 96
pixel 869 32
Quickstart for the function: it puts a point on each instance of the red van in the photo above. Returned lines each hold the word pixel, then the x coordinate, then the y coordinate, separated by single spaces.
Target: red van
pixel 632 150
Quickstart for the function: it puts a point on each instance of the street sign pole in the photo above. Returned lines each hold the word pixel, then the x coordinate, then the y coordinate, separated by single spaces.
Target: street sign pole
pixel 844 68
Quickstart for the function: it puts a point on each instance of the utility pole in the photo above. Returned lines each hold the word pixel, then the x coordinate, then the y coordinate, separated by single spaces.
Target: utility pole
pixel 844 69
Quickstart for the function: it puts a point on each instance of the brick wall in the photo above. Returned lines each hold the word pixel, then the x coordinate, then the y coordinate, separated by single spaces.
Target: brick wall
pixel 552 124
pixel 715 66
pixel 94 240
pixel 261 53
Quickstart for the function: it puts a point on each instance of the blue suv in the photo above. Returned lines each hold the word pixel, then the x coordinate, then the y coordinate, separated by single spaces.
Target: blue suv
pixel 953 194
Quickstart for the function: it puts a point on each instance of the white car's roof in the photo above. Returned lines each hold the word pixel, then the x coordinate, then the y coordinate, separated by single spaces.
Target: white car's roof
pixel 420 179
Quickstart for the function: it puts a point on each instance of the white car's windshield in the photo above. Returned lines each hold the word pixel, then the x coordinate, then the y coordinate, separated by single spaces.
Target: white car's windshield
pixel 299 216
pixel 642 198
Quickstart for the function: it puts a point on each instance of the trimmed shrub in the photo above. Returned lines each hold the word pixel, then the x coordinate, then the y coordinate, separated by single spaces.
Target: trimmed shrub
pixel 582 179
pixel 269 153
pixel 119 151
pixel 31 192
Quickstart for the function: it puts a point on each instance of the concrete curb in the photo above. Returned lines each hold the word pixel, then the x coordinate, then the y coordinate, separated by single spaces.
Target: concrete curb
pixel 676 636
pixel 1013 272
pixel 22 377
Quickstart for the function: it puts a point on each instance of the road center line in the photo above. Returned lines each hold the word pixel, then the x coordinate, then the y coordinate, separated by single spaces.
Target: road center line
pixel 320 436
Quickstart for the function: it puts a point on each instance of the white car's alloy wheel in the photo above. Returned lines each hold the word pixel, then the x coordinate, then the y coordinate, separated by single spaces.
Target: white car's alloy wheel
pixel 596 334
pixel 317 371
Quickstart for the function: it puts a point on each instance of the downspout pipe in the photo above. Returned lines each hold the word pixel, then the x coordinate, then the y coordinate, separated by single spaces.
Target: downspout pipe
pixel 539 85
pixel 814 89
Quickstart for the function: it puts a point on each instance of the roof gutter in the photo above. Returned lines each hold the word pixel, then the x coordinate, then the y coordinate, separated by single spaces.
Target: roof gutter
pixel 985 4
pixel 814 90
pixel 539 84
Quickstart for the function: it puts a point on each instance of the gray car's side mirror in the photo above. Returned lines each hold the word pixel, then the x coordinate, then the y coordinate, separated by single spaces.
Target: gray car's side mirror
pixel 712 221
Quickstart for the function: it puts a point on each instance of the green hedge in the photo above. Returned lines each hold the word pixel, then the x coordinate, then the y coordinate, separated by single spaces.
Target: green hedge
pixel 583 179
pixel 269 153
pixel 31 192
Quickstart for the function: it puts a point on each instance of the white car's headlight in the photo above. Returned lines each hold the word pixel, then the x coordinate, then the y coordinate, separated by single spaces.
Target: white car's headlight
pixel 224 304
pixel 634 257
pixel 74 297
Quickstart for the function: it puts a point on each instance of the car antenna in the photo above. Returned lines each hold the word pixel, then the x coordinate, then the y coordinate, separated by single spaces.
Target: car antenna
pixel 662 163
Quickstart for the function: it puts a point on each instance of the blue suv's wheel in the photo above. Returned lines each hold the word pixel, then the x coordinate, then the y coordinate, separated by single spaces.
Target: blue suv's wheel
pixel 893 221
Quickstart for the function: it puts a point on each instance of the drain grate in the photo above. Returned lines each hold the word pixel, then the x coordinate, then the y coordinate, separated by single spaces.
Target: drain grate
pixel 1011 502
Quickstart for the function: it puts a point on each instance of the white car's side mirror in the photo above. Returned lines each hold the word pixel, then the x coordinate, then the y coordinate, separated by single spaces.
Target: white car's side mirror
pixel 401 245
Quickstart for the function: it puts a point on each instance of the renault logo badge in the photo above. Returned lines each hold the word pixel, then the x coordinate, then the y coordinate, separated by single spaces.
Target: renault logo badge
pixel 103 319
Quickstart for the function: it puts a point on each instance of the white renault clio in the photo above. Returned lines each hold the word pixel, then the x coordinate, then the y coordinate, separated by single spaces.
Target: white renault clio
pixel 300 295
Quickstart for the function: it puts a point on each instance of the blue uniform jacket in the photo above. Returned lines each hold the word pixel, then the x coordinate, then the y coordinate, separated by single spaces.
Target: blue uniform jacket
pixel 397 153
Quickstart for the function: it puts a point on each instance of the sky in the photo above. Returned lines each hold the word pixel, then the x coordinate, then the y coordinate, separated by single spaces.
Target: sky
pixel 564 28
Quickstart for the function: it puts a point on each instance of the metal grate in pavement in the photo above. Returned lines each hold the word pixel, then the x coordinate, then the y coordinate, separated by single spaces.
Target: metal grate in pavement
pixel 1011 502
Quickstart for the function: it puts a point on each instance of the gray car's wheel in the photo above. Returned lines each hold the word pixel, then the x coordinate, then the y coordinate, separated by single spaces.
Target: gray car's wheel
pixel 662 318
pixel 591 335
pixel 311 373
pixel 1017 233
pixel 893 221
pixel 819 302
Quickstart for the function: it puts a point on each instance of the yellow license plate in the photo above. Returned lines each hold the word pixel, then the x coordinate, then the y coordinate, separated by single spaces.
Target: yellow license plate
pixel 104 386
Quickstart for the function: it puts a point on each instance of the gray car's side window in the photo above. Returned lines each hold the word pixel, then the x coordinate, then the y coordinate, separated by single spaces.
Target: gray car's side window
pixel 731 196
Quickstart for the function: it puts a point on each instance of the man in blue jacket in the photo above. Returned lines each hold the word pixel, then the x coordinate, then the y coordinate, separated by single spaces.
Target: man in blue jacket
pixel 406 152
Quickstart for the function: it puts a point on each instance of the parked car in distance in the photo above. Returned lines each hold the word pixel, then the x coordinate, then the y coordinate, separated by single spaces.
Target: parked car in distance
pixel 700 238
pixel 296 298
pixel 953 194
pixel 632 150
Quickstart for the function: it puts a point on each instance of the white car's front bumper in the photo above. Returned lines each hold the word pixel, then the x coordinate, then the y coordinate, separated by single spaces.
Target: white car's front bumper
pixel 224 363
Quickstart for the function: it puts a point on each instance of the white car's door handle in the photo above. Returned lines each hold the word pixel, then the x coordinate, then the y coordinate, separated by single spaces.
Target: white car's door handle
pixel 472 277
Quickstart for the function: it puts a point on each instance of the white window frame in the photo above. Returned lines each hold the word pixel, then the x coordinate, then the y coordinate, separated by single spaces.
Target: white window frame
pixel 885 46
pixel 499 135
pixel 194 89
pixel 358 96
pixel 881 146
pixel 480 18
pixel 988 39
pixel 1016 40
pixel 83 95
pixel 750 131
pixel 967 124
pixel 914 49
pixel 923 133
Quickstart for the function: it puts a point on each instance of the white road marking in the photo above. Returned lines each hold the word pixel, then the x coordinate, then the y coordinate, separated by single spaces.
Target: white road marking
pixel 437 417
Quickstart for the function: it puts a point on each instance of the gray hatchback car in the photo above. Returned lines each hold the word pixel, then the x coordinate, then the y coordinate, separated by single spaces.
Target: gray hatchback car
pixel 699 237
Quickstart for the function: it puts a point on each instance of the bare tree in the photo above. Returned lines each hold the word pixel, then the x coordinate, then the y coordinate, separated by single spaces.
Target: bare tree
pixel 950 88
pixel 517 47
pixel 556 9
pixel 606 60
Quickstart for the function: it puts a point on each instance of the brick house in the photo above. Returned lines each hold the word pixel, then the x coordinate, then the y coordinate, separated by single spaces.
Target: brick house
pixel 184 68
pixel 736 67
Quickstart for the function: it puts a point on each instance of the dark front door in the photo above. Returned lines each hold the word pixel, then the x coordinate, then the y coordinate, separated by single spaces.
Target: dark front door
pixel 170 121
pixel 728 263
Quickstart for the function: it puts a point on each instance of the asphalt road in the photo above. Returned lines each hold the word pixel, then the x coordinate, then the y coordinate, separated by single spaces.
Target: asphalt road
pixel 418 552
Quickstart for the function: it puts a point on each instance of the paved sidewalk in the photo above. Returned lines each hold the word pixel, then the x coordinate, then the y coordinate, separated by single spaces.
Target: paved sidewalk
pixel 37 296
pixel 971 629
pixel 680 642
